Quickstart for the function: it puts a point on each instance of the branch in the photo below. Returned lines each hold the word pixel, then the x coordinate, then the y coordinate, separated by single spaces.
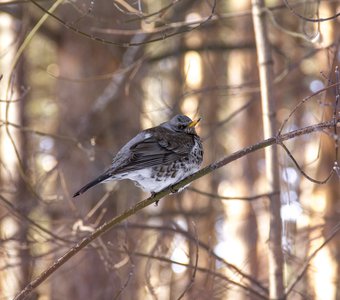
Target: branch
pixel 213 273
pixel 178 230
pixel 316 20
pixel 305 266
pixel 242 198
pixel 152 199
pixel 167 33
pixel 193 276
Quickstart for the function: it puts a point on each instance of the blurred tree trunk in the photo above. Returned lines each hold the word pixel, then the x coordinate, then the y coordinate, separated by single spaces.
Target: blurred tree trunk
pixel 213 73
pixel 111 126
pixel 275 262
pixel 331 192
pixel 17 260
pixel 240 225
pixel 25 197
pixel 249 223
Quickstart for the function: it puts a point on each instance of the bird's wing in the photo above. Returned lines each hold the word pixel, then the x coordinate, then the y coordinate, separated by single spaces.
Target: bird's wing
pixel 160 148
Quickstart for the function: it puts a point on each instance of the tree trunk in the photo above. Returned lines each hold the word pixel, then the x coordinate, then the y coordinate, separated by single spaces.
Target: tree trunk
pixel 275 257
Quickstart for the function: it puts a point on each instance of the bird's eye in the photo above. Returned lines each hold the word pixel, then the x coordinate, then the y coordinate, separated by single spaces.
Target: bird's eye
pixel 181 126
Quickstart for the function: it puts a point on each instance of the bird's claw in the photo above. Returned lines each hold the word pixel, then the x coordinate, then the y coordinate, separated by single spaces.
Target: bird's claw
pixel 173 190
pixel 153 195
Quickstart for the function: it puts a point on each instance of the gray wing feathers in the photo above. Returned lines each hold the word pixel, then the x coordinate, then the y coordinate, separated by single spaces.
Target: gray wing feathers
pixel 147 149
pixel 149 152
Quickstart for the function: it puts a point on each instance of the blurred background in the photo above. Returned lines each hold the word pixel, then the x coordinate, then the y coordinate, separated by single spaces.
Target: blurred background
pixel 80 78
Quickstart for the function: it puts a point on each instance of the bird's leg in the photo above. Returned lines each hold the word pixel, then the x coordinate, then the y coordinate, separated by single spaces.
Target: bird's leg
pixel 153 195
pixel 173 190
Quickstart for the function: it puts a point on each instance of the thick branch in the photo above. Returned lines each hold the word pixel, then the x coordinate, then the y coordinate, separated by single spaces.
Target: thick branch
pixel 144 203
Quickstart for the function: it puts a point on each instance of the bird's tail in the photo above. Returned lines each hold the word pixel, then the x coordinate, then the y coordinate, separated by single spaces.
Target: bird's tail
pixel 92 183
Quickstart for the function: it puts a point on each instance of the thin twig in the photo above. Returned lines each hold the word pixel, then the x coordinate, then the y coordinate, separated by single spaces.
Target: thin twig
pixel 178 230
pixel 248 289
pixel 216 196
pixel 307 262
pixel 336 111
pixel 16 212
pixel 316 20
pixel 192 279
pixel 323 181
pixel 293 111
pixel 164 35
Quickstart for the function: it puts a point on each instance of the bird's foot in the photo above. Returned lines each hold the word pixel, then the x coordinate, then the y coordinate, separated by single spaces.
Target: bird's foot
pixel 173 190
pixel 153 195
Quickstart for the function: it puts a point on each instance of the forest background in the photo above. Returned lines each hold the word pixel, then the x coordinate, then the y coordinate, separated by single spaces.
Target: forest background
pixel 80 78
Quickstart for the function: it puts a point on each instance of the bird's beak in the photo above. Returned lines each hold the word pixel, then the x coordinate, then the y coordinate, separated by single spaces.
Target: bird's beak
pixel 194 123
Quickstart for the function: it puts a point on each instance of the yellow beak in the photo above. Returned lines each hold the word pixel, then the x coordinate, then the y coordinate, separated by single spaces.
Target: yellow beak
pixel 194 123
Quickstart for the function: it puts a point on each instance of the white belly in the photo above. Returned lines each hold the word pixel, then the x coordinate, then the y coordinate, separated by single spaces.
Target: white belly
pixel 143 179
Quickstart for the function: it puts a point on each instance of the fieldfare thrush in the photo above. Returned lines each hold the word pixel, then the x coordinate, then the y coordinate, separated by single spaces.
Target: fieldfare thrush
pixel 156 157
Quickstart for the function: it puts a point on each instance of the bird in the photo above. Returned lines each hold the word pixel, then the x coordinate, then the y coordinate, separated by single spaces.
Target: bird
pixel 157 157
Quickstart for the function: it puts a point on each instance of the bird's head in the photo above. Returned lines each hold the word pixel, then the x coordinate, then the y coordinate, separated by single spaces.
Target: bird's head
pixel 181 123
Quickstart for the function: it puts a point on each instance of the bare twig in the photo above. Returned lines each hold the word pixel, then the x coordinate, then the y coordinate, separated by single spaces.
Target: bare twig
pixel 16 212
pixel 126 8
pixel 323 181
pixel 216 196
pixel 248 289
pixel 178 230
pixel 293 111
pixel 124 286
pixel 168 32
pixel 192 279
pixel 316 20
pixel 148 268
pixel 305 266
pixel 336 112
